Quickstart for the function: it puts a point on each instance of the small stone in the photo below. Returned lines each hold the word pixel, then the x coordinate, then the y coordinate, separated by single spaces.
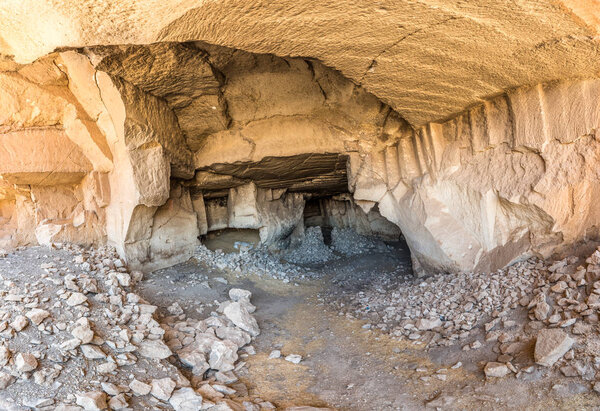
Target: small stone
pixel 37 316
pixel 496 369
pixel 140 388
pixel 106 368
pixel 124 279
pixel 4 355
pixel 156 349
pixel 5 380
pixel 70 344
pixel 118 402
pixel 242 318
pixel 83 333
pixel 25 362
pixel 92 352
pixel 551 345
pixel 275 354
pixel 424 324
pixel 163 388
pixel 110 388
pixel 19 323
pixel 294 358
pixel 237 294
pixel 92 401
pixel 76 299
pixel 185 399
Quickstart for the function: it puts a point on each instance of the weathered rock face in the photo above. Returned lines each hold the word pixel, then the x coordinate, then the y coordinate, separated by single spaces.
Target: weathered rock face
pixel 149 147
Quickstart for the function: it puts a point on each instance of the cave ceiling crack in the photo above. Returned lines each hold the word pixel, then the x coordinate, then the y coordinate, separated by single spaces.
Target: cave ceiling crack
pixel 400 40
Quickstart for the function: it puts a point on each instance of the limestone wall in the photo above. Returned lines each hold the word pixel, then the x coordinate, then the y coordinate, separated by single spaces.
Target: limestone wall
pixel 95 149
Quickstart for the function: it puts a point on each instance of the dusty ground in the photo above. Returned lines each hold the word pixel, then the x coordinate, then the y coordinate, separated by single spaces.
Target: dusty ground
pixel 347 366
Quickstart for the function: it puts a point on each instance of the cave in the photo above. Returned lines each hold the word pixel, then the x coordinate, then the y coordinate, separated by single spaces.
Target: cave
pixel 299 205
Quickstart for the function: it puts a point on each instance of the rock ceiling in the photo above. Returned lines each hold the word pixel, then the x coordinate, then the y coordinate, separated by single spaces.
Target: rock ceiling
pixel 428 59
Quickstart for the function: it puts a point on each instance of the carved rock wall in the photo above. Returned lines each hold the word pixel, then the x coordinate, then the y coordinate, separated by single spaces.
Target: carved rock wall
pixel 149 147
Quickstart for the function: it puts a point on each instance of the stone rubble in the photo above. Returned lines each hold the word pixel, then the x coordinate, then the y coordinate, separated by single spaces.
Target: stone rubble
pixel 295 263
pixel 76 333
pixel 552 306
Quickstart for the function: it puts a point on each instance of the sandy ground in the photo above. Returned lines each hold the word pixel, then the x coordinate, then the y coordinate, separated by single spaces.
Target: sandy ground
pixel 346 366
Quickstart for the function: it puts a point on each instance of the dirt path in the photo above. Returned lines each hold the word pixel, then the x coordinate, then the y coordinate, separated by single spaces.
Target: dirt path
pixel 346 366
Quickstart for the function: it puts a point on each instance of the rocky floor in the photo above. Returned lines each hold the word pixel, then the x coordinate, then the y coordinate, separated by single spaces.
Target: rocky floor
pixel 355 332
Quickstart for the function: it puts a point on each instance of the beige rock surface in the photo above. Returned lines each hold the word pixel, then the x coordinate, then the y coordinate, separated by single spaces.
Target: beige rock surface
pixel 433 49
pixel 147 147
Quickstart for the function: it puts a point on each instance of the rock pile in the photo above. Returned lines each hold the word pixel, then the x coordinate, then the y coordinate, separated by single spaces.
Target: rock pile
pixel 311 250
pixel 296 263
pixel 75 335
pixel 442 309
pixel 348 242
pixel 258 261
pixel 534 314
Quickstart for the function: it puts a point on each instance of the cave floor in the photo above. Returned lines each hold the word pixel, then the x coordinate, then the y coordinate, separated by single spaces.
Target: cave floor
pixel 345 364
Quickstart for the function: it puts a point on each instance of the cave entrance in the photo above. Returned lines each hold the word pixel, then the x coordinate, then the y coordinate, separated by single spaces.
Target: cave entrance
pixel 299 207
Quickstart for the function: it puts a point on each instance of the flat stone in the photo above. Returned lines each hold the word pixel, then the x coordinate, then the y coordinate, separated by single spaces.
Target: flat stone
pixel 155 349
pixel 496 369
pixel 163 388
pixel 185 399
pixel 424 324
pixel 92 352
pixel 242 318
pixel 25 362
pixel 92 401
pixel 76 299
pixel 37 315
pixel 140 388
pixel 551 345
pixel 294 358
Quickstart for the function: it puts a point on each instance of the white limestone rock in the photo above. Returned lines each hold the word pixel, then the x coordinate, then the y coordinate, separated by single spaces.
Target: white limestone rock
pixel 163 388
pixel 185 399
pixel 37 315
pixel 496 369
pixel 551 345
pixel 155 349
pixel 242 318
pixel 25 362
pixel 92 401
pixel 140 388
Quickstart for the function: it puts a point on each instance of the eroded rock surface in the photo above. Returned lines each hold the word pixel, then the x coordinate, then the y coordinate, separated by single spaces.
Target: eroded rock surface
pixel 148 147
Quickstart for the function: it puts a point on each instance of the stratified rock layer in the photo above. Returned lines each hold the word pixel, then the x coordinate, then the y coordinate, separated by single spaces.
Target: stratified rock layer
pixel 149 147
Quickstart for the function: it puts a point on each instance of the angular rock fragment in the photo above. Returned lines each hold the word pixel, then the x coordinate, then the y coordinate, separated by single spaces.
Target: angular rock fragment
pixel 118 402
pixel 163 388
pixel 424 324
pixel 551 345
pixel 496 369
pixel 155 349
pixel 92 401
pixel 185 399
pixel 37 315
pixel 76 299
pixel 140 388
pixel 25 362
pixel 19 323
pixel 241 318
